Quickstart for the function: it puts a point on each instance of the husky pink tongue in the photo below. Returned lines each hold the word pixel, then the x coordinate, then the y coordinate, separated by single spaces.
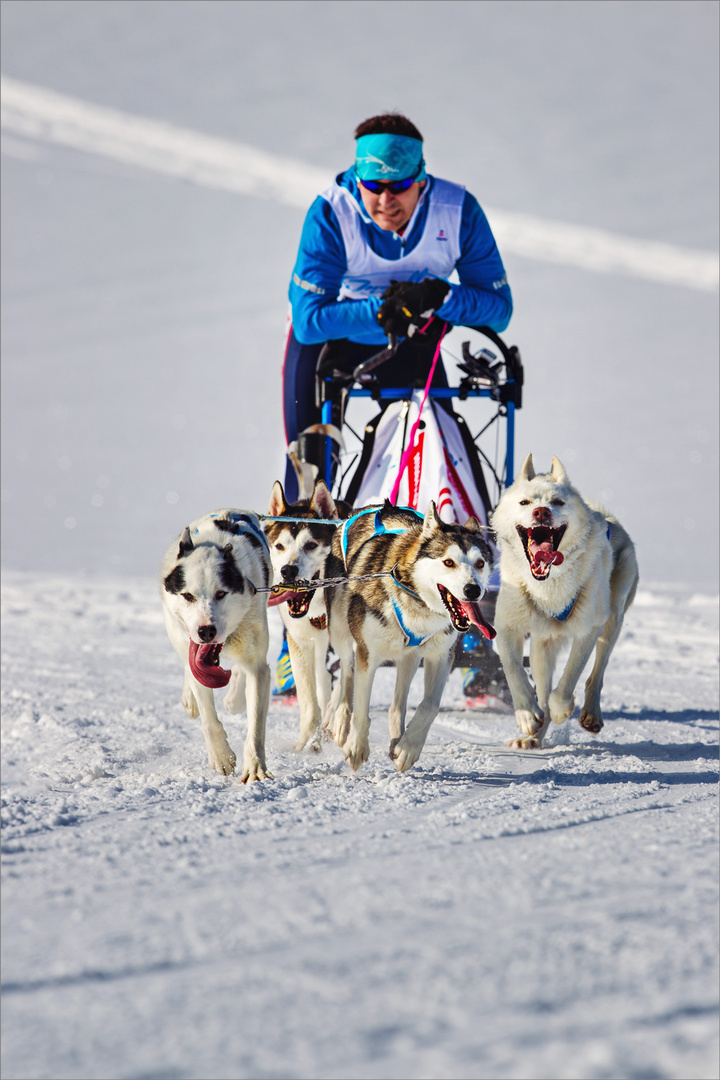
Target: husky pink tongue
pixel 475 615
pixel 281 597
pixel 545 553
pixel 205 667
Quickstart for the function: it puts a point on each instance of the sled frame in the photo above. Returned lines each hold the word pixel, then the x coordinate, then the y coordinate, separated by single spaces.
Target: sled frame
pixel 507 394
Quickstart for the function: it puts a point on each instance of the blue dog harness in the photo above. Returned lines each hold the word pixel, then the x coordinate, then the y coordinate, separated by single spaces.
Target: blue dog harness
pixel 379 528
pixel 568 610
pixel 411 638
pixel 246 526
pixel 564 614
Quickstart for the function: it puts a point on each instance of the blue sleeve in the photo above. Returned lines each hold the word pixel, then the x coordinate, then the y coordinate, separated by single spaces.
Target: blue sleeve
pixel 483 297
pixel 320 267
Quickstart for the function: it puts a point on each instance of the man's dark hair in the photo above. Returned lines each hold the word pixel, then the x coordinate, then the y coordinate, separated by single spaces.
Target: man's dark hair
pixel 388 124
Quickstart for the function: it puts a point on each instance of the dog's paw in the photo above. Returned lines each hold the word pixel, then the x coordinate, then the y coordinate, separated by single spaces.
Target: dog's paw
pixel 590 722
pixel 530 720
pixel 338 725
pixel 309 736
pixel 255 770
pixel 560 708
pixel 356 751
pixel 189 703
pixel 222 760
pixel 309 742
pixel 527 742
pixel 404 754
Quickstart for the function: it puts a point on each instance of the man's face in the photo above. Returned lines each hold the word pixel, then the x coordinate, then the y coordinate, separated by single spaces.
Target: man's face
pixel 388 211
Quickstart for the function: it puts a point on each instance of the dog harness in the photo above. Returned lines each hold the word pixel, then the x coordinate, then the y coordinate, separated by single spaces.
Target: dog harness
pixel 568 610
pixel 411 638
pixel 245 525
pixel 564 614
pixel 379 528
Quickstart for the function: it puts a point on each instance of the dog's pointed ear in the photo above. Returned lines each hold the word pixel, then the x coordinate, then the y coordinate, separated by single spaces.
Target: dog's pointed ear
pixel 472 525
pixel 322 502
pixel 277 506
pixel 431 521
pixel 528 469
pixel 186 544
pixel 558 471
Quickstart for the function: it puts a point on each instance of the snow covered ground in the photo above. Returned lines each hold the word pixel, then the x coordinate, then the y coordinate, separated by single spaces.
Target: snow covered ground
pixel 491 913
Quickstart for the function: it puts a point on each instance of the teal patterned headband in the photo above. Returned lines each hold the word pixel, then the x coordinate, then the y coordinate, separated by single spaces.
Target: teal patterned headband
pixel 389 157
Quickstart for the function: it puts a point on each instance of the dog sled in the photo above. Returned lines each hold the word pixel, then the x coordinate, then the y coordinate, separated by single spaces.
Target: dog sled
pixel 415 447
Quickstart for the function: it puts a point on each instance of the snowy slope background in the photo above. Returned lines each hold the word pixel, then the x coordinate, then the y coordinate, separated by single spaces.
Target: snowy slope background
pixel 490 914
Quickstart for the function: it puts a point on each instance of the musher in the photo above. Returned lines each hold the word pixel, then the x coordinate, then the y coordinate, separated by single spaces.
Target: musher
pixel 385 219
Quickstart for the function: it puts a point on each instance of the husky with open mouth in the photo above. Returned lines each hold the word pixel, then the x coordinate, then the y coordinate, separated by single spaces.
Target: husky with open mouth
pixel 568 574
pixel 424 582
pixel 213 613
pixel 299 551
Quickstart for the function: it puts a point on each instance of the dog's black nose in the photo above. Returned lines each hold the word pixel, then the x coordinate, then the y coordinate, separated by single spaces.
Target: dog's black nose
pixel 207 633
pixel 471 592
pixel 289 572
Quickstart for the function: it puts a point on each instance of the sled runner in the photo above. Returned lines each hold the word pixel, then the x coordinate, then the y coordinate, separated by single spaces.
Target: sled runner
pixel 416 448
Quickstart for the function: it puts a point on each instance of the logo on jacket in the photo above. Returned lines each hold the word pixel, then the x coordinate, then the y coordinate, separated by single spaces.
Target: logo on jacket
pixel 441 235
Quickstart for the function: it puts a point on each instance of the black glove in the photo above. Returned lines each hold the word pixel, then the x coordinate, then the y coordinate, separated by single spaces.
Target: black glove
pixel 407 305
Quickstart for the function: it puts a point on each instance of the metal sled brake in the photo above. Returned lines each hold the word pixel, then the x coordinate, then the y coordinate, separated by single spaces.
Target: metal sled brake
pixel 494 372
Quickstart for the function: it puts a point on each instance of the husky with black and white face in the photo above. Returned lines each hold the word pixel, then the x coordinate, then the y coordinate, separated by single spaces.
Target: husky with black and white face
pixel 208 583
pixel 414 585
pixel 568 574
pixel 299 551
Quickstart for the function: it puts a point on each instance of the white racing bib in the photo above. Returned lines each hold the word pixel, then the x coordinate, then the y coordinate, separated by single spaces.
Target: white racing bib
pixel 435 254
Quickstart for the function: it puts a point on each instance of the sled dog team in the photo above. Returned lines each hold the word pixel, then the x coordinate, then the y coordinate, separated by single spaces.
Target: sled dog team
pixel 411 584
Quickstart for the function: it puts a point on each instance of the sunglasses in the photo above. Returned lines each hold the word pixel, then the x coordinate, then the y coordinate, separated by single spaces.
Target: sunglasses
pixel 395 186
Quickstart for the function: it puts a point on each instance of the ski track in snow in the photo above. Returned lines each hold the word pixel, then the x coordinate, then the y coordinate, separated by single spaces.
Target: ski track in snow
pixel 34 112
pixel 489 914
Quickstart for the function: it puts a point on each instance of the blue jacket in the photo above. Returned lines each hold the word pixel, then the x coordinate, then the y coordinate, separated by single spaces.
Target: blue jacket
pixel 482 298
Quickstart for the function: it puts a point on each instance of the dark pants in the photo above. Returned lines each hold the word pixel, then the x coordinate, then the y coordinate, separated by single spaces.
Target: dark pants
pixel 410 365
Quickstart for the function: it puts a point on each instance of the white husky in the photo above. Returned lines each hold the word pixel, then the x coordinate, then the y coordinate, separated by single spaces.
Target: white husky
pixel 208 582
pixel 568 575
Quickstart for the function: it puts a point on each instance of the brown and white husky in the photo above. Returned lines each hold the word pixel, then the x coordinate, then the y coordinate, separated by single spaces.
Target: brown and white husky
pixel 430 577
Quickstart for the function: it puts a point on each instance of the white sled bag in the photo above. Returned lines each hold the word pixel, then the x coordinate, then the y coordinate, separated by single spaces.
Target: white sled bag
pixel 438 468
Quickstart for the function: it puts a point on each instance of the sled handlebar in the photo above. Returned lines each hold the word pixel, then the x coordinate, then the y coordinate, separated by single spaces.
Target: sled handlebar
pixel 509 391
pixel 360 373
pixel 375 361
